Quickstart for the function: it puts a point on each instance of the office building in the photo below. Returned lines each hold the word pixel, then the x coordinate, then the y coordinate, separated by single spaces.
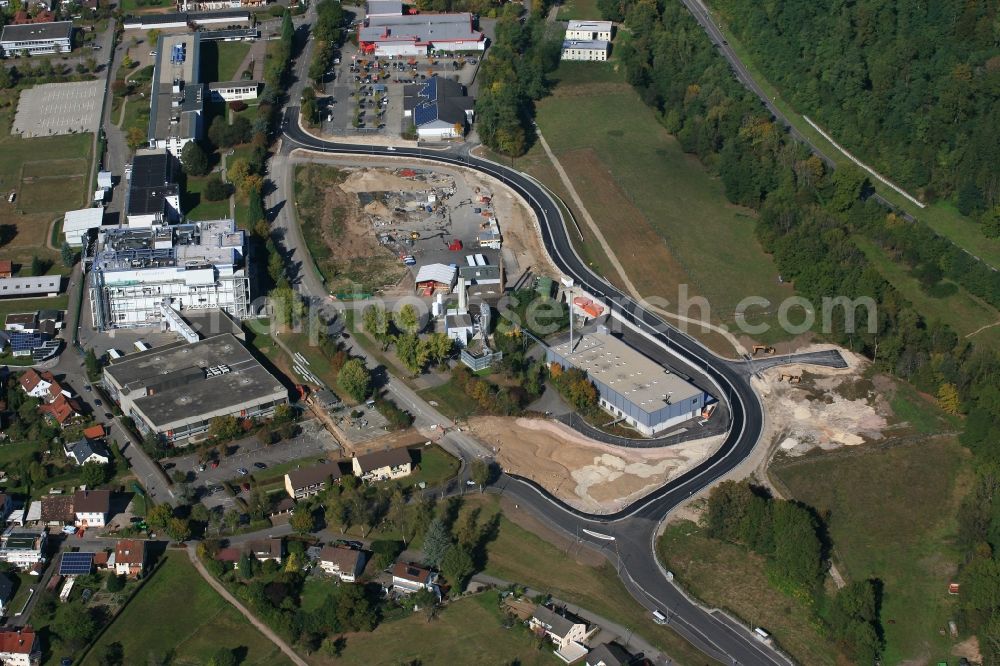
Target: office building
pixel 176 390
pixel 139 275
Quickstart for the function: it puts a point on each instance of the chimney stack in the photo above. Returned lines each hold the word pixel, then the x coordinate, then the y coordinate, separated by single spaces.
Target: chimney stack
pixel 463 297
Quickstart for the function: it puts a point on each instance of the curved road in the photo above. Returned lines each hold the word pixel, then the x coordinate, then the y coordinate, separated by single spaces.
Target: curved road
pixel 627 537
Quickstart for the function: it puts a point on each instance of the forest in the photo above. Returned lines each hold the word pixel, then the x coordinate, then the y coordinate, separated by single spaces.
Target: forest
pixel 911 88
pixel 808 218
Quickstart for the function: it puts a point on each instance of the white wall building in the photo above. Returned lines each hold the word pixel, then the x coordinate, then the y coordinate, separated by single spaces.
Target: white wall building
pixel 595 50
pixel 234 91
pixel 177 101
pixel 36 38
pixel 76 224
pixel 589 30
pixel 418 34
pixel 197 266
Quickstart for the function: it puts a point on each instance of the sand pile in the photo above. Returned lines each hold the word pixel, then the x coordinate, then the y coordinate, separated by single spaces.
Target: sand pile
pixel 586 474
pixel 827 408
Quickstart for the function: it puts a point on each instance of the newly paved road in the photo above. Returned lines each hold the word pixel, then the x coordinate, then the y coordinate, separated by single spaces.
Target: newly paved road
pixel 627 537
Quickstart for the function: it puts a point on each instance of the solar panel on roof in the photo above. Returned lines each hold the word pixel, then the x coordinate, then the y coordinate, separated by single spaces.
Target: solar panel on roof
pixel 424 114
pixel 76 564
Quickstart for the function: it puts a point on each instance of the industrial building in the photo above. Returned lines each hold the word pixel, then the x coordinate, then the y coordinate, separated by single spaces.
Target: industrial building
pixel 589 30
pixel 153 197
pixel 36 38
pixel 632 387
pixel 438 108
pixel 419 34
pixel 234 91
pixel 140 275
pixel 42 285
pixel 184 20
pixel 573 49
pixel 177 101
pixel 383 8
pixel 77 223
pixel 174 391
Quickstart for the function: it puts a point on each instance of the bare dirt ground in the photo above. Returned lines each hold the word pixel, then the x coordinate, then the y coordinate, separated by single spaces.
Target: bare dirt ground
pixel 586 474
pixel 828 408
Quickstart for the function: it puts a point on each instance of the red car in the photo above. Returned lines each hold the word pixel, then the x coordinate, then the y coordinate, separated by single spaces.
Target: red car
pixel 246 487
pixel 215 463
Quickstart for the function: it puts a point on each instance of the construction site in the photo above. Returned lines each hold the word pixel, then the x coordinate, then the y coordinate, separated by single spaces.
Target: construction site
pixel 585 474
pixel 372 228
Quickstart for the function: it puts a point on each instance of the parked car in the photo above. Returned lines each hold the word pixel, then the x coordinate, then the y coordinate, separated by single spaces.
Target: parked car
pixel 215 463
pixel 260 465
pixel 242 471
pixel 246 487
pixel 98 403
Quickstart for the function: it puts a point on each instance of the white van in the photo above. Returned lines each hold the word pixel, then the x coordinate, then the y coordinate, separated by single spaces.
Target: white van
pixel 659 618
pixel 761 635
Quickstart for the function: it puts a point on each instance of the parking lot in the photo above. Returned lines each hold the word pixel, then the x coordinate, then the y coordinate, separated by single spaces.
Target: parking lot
pixel 311 445
pixel 365 95
pixel 59 108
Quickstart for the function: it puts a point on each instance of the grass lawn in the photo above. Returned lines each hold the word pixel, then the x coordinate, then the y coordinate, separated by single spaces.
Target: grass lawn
pixel 23 584
pixel 191 625
pixel 8 306
pixel 644 193
pixel 892 517
pixel 921 412
pixel 965 313
pixel 134 6
pixel 11 452
pixel 521 556
pixel 451 401
pixel 578 9
pixel 435 467
pixel 200 208
pixel 942 216
pixel 468 631
pixel 730 577
pixel 220 61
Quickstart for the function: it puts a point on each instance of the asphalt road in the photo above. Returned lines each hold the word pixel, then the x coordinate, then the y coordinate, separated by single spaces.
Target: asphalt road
pixel 628 536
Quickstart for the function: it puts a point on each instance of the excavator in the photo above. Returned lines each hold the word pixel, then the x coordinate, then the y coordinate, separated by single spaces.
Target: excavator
pixel 767 349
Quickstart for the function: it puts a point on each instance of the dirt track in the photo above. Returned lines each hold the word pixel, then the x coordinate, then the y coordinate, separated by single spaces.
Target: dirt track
pixel 586 474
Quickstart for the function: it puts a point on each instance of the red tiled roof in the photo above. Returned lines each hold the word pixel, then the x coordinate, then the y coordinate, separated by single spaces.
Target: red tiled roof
pixel 92 501
pixel 346 559
pixel 17 641
pixel 61 409
pixel 130 551
pixel 94 432
pixel 228 555
pixel 6 266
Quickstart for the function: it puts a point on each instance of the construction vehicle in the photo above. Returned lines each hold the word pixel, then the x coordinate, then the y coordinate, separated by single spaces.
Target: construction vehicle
pixel 792 379
pixel 767 349
pixel 415 235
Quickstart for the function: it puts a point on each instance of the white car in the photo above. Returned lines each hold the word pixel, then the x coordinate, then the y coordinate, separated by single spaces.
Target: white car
pixel 391 149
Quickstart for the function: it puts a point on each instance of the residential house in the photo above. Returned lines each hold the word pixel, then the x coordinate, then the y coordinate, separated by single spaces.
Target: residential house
pixel 268 549
pixel 25 549
pixel 407 578
pixel 85 451
pixel 345 563
pixel 94 432
pixel 37 384
pixel 21 322
pixel 92 507
pixel 6 505
pixel 20 647
pixel 312 480
pixel 130 558
pixel 609 654
pixel 229 556
pixel 57 511
pixel 382 465
pixel 6 593
pixel 566 631
pixel 62 410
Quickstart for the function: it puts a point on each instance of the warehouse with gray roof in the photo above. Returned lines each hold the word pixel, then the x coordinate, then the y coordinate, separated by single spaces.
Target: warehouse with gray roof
pixel 176 390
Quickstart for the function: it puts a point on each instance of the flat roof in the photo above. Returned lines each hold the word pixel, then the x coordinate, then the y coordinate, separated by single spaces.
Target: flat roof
pixel 85 218
pixel 420 28
pixel 25 286
pixel 592 26
pixel 152 180
pixel 182 383
pixel 37 31
pixel 643 381
pixel 221 85
pixel 592 44
pixel 383 7
pixel 168 108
